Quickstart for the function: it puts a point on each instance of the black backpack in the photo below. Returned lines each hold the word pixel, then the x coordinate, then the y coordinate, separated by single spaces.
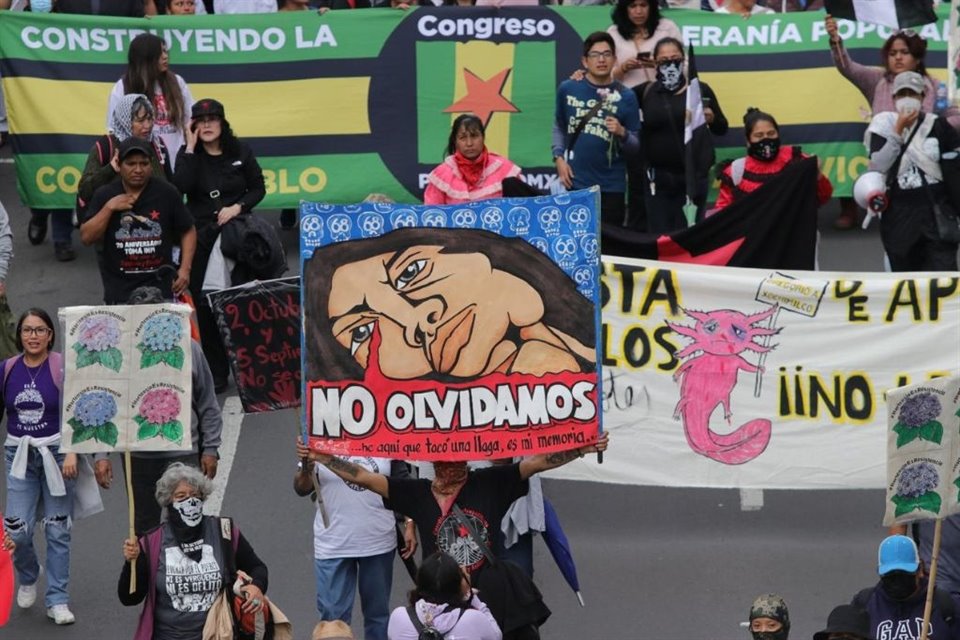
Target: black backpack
pixel 427 632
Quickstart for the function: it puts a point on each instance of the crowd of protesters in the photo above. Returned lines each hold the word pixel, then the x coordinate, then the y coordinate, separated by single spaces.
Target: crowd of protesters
pixel 172 170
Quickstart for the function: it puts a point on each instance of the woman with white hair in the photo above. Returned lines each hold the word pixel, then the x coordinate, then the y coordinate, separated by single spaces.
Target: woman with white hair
pixel 183 564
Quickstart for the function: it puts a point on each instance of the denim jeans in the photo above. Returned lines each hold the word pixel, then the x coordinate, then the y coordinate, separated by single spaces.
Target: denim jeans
pixel 61 223
pixel 337 580
pixel 20 520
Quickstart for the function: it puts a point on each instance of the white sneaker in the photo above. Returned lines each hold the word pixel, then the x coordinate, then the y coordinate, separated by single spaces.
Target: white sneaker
pixel 61 614
pixel 27 594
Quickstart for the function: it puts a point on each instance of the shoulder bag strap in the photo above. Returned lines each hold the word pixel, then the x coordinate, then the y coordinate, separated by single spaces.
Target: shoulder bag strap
pixel 412 612
pixel 583 123
pixel 895 168
pixel 465 522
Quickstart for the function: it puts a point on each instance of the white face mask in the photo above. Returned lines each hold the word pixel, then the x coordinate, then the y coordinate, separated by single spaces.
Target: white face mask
pixel 190 510
pixel 906 106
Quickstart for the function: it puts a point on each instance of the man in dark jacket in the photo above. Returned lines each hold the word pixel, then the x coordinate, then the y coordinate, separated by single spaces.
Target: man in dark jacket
pixel 896 603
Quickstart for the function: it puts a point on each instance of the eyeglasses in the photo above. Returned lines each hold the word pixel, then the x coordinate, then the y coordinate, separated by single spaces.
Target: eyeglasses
pixel 597 55
pixel 34 331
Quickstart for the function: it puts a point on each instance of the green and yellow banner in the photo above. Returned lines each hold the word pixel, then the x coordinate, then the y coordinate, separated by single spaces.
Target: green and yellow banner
pixel 348 103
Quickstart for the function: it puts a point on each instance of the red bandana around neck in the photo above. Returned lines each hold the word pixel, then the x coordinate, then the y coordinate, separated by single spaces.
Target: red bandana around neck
pixel 471 170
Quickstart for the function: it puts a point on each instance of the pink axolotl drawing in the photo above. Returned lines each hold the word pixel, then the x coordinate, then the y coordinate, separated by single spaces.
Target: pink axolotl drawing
pixel 709 377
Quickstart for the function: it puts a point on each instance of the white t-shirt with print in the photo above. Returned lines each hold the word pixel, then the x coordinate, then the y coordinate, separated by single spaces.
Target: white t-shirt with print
pixel 360 526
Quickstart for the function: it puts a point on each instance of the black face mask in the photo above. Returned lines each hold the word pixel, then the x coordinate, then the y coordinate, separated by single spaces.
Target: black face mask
pixel 765 150
pixel 185 533
pixel 899 585
pixel 770 635
pixel 670 74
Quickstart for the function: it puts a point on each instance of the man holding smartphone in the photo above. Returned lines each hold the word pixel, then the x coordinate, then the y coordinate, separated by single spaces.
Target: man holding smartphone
pixel 596 126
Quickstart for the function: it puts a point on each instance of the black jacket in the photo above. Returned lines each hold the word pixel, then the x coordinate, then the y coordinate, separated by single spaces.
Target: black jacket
pixel 237 178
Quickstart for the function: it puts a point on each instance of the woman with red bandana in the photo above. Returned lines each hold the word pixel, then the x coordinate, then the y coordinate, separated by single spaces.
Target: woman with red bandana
pixel 470 172
pixel 766 158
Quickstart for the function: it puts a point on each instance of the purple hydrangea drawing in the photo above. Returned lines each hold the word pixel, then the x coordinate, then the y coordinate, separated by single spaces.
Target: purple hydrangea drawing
pixel 917 489
pixel 97 341
pixel 917 419
pixel 158 413
pixel 93 413
pixel 161 341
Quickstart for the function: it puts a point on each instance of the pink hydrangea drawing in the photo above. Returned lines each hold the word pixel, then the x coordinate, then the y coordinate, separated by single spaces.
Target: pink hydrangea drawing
pixel 97 341
pixel 159 409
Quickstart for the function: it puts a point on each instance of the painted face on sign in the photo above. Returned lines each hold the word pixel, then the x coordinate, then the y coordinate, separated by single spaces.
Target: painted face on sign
pixel 437 312
pixel 447 304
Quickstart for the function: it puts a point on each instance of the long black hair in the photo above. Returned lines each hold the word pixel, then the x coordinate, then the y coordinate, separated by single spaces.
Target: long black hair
pixel 143 75
pixel 229 142
pixel 625 27
pixel 36 312
pixel 468 122
pixel 438 582
pixel 563 306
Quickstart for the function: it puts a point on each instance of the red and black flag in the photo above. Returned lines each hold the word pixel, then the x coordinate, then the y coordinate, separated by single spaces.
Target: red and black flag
pixel 774 227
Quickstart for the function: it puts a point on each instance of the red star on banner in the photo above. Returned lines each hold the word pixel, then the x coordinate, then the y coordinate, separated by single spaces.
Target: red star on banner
pixel 154 215
pixel 670 251
pixel 484 97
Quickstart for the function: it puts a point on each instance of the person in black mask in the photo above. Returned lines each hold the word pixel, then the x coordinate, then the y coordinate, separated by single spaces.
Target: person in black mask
pixel 766 158
pixel 769 618
pixel 183 564
pixel 895 604
pixel 662 149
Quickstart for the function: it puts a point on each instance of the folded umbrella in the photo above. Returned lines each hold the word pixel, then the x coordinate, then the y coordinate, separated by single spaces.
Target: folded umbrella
pixel 559 547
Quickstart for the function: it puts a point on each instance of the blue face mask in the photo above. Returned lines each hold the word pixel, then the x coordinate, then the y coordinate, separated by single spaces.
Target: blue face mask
pixel 41 6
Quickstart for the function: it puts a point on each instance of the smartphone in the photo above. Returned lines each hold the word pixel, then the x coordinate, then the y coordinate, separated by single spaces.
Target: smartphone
pixel 193 126
pixel 644 55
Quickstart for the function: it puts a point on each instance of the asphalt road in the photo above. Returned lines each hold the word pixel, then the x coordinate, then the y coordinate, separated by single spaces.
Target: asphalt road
pixel 666 564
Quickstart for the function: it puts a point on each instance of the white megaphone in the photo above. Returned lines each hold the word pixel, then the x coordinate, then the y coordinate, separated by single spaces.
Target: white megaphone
pixel 870 192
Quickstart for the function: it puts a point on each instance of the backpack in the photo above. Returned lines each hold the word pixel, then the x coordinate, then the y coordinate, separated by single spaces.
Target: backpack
pixel 424 631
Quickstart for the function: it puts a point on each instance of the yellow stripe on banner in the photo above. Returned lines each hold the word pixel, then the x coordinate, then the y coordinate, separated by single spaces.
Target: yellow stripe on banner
pixel 485 60
pixel 318 106
pixel 36 105
pixel 798 96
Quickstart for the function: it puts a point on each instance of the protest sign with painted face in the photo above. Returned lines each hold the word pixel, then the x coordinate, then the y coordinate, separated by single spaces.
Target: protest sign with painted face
pixel 457 332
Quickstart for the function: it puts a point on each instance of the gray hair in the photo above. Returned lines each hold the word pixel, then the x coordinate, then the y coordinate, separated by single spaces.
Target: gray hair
pixel 177 473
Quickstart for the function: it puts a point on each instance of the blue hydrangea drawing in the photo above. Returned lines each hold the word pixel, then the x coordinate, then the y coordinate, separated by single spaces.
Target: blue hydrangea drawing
pixel 97 341
pixel 161 341
pixel 93 413
pixel 917 489
pixel 917 419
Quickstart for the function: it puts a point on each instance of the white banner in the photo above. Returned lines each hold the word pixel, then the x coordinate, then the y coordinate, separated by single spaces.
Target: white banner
pixel 923 451
pixel 724 377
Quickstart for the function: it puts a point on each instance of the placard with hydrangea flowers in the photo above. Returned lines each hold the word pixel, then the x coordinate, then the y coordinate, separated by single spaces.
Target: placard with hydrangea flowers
pixel 923 451
pixel 128 377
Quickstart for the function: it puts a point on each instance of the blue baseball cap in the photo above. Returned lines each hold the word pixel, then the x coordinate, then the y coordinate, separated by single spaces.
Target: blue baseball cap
pixel 898 553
